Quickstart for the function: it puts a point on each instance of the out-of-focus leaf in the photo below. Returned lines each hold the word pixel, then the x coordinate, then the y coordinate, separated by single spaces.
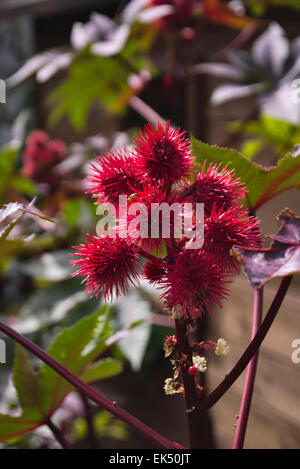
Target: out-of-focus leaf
pixel 251 147
pixel 271 49
pixel 114 45
pixel 25 186
pixel 296 150
pixel 280 134
pixel 282 259
pixel 12 246
pixel 262 183
pixel 10 209
pixel 106 425
pixel 269 70
pixel 40 393
pixel 132 310
pixel 218 70
pixel 53 305
pixel 280 104
pixel 31 67
pixel 25 382
pixel 52 266
pixel 225 93
pixel 220 13
pixel 105 79
pixel 102 369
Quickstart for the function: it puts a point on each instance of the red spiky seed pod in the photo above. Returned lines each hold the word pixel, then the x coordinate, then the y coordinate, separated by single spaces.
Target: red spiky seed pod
pixel 194 283
pixel 233 227
pixel 215 186
pixel 163 154
pixel 145 221
pixel 108 265
pixel 154 271
pixel 113 174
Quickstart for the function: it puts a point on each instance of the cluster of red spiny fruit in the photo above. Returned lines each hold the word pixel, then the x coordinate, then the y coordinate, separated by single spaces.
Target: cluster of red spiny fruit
pixel 160 168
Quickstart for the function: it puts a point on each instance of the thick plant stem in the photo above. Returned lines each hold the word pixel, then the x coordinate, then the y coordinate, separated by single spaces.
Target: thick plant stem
pixel 112 407
pixel 241 428
pixel 251 350
pixel 146 111
pixel 185 352
pixel 58 435
pixel 90 424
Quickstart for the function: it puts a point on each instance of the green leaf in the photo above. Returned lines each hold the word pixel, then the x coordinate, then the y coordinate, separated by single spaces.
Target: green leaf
pixel 262 183
pixel 251 147
pixel 25 382
pixel 106 425
pixel 280 134
pixel 102 369
pixel 40 393
pixel 55 305
pixel 75 348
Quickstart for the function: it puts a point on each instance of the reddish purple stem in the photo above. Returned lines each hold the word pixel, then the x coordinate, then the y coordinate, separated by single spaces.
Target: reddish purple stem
pixel 251 350
pixel 112 407
pixel 241 428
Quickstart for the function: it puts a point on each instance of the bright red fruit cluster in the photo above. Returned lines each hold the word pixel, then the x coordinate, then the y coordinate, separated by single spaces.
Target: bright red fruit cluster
pixel 160 168
pixel 40 156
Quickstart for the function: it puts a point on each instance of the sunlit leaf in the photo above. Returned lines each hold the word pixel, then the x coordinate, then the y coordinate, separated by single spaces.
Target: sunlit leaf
pixel 40 393
pixel 262 183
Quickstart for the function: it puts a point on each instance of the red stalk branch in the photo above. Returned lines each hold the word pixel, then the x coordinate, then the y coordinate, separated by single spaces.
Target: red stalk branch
pixel 251 350
pixel 112 407
pixel 241 428
pixel 58 435
pixel 190 391
pixel 145 110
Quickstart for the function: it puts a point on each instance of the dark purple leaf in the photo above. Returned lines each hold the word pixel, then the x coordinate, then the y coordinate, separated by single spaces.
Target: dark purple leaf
pixel 283 257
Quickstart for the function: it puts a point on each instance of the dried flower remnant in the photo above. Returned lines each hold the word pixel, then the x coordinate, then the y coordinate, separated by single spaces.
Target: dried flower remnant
pixel 222 347
pixel 172 387
pixel 169 345
pixel 200 363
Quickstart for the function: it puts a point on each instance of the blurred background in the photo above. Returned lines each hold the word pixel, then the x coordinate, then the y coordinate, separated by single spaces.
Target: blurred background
pixel 81 77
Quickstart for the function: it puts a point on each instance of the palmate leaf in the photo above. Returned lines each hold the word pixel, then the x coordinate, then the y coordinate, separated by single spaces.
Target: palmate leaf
pixel 262 183
pixel 282 259
pixel 93 79
pixel 40 393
